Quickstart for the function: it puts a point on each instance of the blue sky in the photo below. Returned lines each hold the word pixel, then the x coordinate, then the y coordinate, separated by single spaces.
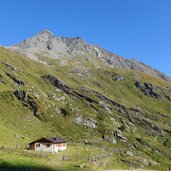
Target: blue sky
pixel 138 29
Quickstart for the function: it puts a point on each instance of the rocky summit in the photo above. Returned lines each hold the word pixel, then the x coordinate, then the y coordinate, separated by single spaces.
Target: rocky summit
pixel 47 43
pixel 114 112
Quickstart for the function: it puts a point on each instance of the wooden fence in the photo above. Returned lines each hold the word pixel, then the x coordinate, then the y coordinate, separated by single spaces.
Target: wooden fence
pixel 92 159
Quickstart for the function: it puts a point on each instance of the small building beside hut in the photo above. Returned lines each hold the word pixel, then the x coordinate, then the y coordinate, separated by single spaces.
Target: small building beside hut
pixel 53 145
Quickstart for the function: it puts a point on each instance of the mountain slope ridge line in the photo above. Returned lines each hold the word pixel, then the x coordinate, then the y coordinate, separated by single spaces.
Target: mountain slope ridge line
pixel 46 43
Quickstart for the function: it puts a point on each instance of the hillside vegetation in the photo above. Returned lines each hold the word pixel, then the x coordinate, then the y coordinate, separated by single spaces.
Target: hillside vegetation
pixel 123 115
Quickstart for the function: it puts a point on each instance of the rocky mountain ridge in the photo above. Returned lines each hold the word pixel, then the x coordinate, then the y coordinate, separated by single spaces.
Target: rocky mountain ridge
pixel 55 47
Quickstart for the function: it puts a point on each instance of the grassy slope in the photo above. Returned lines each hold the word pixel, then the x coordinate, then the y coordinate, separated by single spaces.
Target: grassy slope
pixel 16 119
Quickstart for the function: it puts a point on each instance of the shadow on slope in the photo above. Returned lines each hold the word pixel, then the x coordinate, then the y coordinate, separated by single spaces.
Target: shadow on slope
pixel 9 167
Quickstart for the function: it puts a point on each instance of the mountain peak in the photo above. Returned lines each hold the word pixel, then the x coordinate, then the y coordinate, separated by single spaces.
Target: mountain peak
pixel 40 40
pixel 45 32
pixel 45 42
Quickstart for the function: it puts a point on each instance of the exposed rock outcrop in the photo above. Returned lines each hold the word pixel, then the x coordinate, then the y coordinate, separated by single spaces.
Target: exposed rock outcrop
pixel 28 101
pixel 133 115
pixel 81 71
pixel 86 122
pixel 147 89
pixel 12 68
pixel 1 79
pixel 148 145
pixel 65 88
pixel 103 97
pixel 132 146
pixel 118 134
pixel 105 107
pixel 19 82
pixel 169 98
pixel 117 77
pixel 113 136
pixel 129 153
pixel 21 95
pixel 110 139
pixel 109 136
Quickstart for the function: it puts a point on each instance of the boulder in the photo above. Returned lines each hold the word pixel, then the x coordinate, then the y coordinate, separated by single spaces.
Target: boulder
pixel 132 146
pixel 118 134
pixel 105 107
pixel 129 153
pixel 86 122
pixel 153 163
pixel 144 161
pixel 83 165
pixel 117 77
pixel 109 138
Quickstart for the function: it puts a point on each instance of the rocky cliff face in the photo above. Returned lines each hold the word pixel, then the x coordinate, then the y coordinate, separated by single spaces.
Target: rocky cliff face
pixel 52 46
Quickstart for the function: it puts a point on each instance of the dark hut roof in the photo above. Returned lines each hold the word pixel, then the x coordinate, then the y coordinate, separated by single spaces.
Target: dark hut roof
pixel 50 140
pixel 57 139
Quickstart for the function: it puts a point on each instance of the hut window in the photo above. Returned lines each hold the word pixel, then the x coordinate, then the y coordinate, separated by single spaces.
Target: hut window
pixel 47 145
pixel 37 145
